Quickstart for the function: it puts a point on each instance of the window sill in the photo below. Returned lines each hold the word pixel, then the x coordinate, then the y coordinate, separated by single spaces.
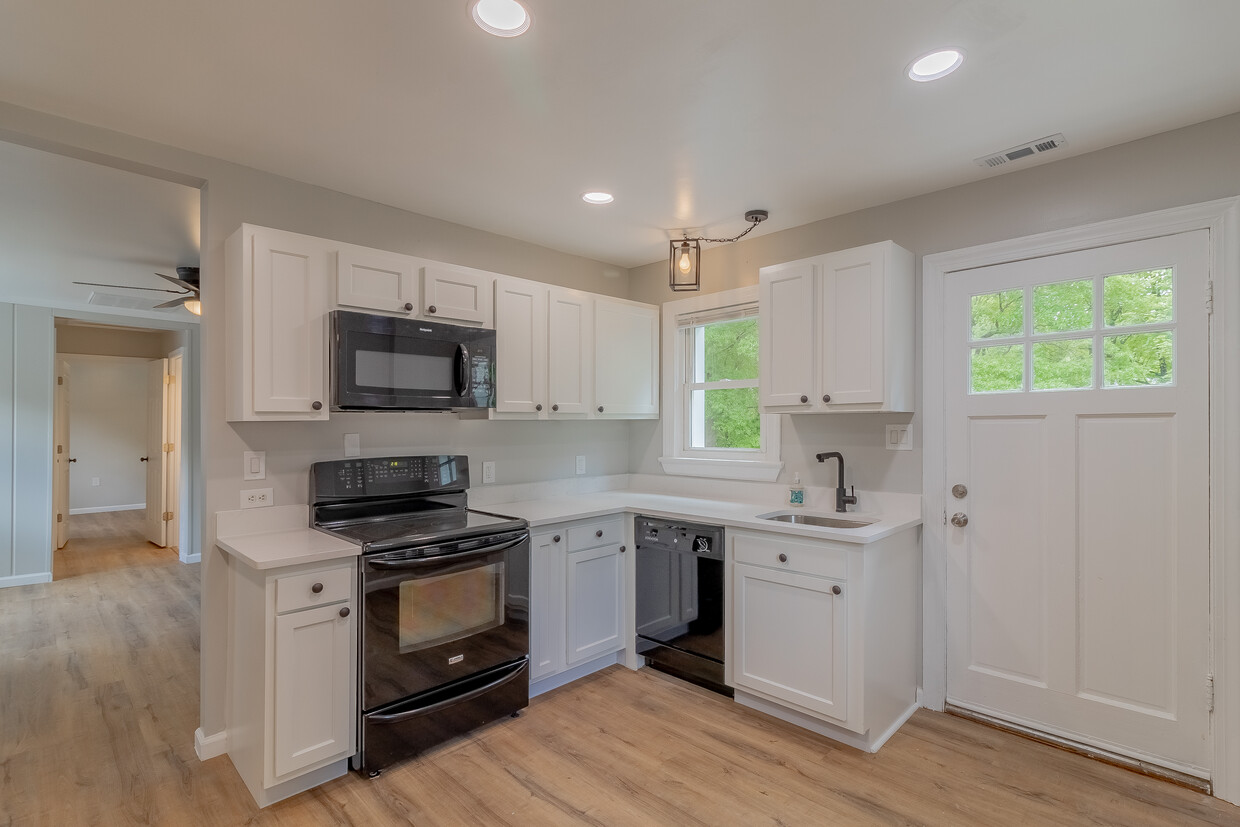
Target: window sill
pixel 722 469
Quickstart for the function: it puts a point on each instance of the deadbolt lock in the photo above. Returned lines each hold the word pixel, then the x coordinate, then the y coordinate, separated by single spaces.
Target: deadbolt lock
pixel 959 491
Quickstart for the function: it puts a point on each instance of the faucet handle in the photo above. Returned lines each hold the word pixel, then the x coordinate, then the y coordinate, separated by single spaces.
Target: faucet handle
pixel 851 497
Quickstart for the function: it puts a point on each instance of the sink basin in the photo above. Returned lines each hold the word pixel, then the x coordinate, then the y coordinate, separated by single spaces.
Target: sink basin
pixel 821 520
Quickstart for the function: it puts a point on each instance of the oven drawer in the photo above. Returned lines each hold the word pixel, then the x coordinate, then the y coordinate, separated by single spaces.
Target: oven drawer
pixel 315 588
pixel 595 533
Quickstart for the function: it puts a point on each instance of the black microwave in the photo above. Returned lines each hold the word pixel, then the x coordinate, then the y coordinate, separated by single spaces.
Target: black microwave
pixel 384 363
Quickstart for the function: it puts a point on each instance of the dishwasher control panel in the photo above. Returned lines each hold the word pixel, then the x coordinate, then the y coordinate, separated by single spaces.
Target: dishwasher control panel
pixel 678 536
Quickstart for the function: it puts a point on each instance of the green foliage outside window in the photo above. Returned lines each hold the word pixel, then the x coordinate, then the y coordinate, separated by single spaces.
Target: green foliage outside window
pixel 732 418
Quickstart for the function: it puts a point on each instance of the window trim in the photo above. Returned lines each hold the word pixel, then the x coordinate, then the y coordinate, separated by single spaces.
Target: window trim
pixel 762 464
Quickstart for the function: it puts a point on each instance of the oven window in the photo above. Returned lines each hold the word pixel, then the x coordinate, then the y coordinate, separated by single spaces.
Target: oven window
pixel 403 371
pixel 435 610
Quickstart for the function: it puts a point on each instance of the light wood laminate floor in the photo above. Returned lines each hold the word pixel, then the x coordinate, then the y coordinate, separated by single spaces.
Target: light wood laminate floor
pixel 99 701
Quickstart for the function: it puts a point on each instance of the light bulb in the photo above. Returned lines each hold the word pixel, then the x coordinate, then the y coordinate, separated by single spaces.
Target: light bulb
pixel 685 264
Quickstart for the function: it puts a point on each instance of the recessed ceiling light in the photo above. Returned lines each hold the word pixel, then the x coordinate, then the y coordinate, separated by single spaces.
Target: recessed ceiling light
pixel 935 65
pixel 502 18
pixel 597 197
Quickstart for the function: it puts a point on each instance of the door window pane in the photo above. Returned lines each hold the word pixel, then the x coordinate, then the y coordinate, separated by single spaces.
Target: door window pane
pixel 1138 359
pixel 1137 298
pixel 1063 307
pixel 1063 364
pixel 995 369
pixel 725 418
pixel 999 314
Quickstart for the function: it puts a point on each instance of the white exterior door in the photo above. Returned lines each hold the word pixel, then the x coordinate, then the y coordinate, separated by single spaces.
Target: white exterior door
pixel 1077 418
pixel 156 457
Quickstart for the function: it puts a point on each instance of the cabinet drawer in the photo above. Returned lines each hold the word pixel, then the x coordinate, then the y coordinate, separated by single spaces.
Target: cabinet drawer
pixel 810 558
pixel 589 535
pixel 297 591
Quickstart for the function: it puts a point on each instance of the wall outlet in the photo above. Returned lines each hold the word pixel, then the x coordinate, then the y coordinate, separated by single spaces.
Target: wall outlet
pixel 257 498
pixel 898 438
pixel 254 465
pixel 352 445
pixel 488 473
pixel 581 464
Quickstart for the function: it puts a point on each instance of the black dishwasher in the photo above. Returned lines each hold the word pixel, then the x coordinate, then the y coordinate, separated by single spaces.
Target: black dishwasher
pixel 680 599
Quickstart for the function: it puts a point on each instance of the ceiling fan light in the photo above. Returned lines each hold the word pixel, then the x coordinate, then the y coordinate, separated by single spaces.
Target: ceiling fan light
pixel 194 306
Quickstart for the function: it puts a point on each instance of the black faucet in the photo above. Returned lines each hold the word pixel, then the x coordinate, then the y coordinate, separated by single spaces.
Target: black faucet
pixel 843 499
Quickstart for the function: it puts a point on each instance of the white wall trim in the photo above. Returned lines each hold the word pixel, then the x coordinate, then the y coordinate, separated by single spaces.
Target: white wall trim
pixel 25 579
pixel 1222 219
pixel 99 509
pixel 210 746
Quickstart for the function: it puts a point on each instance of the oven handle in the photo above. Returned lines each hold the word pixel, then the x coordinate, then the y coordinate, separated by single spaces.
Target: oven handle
pixel 397 717
pixel 443 559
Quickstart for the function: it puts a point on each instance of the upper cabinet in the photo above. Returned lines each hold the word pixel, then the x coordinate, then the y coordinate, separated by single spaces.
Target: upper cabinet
pixel 458 295
pixel 837 332
pixel 626 359
pixel 374 280
pixel 276 325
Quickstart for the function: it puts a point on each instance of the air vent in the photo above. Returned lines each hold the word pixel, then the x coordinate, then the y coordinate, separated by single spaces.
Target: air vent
pixel 1023 151
pixel 117 300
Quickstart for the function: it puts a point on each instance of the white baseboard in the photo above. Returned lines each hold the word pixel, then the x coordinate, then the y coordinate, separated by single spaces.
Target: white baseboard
pixel 25 579
pixel 99 509
pixel 210 746
pixel 191 558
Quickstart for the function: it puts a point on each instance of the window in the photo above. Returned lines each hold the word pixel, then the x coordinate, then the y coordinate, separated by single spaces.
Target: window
pixel 713 426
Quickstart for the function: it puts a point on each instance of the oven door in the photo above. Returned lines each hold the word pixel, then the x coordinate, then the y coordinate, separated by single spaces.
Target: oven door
pixel 437 614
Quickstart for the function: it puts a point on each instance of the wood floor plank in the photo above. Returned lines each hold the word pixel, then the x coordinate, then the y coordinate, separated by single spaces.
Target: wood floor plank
pixel 99 702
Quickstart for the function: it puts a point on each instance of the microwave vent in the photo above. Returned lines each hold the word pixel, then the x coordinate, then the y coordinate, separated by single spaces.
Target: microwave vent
pixel 1016 153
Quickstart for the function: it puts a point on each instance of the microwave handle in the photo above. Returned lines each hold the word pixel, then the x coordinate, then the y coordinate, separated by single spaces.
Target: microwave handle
pixel 462 370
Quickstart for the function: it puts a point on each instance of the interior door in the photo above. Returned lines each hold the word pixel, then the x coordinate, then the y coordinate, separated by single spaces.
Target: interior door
pixel 1077 419
pixel 172 474
pixel 156 528
pixel 61 460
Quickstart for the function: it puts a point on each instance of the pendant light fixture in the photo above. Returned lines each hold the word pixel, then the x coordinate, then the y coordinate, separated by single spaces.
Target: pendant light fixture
pixel 685 256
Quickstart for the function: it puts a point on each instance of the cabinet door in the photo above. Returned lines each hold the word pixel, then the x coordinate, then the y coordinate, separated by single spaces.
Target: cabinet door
pixel 571 344
pixel 548 621
pixel 791 640
pixel 314 701
pixel 626 359
pixel 457 295
pixel 520 346
pixel 288 301
pixel 850 313
pixel 786 335
pixel 595 607
pixel 372 280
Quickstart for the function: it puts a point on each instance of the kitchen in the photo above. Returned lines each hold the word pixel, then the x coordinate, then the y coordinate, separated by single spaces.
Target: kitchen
pixel 1189 165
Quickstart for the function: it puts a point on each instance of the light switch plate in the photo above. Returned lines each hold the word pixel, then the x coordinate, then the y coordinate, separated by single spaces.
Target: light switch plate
pixel 581 464
pixel 352 445
pixel 488 473
pixel 254 465
pixel 898 438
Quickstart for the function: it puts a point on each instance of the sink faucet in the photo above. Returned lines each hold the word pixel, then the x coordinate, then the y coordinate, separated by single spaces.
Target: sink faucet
pixel 843 498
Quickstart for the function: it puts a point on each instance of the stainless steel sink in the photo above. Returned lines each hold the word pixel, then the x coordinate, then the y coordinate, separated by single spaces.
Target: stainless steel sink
pixel 815 520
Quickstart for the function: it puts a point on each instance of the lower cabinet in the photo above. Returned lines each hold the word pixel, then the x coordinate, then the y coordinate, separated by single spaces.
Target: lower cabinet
pixel 826 634
pixel 293 643
pixel 576 595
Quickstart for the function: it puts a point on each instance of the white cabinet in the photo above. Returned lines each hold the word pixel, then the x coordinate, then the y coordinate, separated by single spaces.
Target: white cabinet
pixel 570 342
pixel 626 359
pixel 292 642
pixel 837 332
pixel 373 280
pixel 275 325
pixel 826 634
pixel 576 596
pixel 458 295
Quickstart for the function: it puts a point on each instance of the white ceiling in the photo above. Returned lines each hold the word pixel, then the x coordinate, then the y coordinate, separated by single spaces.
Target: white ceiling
pixel 689 111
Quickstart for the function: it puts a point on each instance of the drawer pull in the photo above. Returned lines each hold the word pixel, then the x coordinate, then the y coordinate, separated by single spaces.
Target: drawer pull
pixel 598 533
pixel 344 611
pixel 555 539
pixel 317 588
pixel 783 558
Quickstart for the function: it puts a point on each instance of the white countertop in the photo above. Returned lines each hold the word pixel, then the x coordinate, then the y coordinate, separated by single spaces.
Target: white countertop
pixel 269 538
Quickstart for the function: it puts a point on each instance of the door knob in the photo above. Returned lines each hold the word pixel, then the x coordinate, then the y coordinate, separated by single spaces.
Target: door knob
pixel 960 519
pixel 140 459
pixel 74 459
pixel 959 491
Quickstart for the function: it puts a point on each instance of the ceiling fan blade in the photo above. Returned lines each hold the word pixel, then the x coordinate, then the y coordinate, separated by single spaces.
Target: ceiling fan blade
pixel 180 282
pixel 126 286
pixel 175 302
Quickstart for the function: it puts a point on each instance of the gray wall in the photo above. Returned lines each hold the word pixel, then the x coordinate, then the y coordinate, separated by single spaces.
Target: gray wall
pixel 1186 166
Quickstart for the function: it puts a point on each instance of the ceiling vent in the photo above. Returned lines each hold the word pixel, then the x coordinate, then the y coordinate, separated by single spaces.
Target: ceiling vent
pixel 117 300
pixel 1023 151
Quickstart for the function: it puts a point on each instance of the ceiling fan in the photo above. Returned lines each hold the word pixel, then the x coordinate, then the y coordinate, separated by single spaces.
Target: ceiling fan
pixel 188 296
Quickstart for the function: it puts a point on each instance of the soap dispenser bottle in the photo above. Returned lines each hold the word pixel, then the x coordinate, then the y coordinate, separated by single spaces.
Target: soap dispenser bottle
pixel 796 492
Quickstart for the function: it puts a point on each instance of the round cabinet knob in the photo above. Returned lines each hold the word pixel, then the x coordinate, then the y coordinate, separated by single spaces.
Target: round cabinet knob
pixel 598 533
pixel 783 558
pixel 804 398
pixel 408 306
pixel 555 539
pixel 826 397
pixel 432 309
pixel 555 407
pixel 317 588
pixel 959 491
pixel 960 519
pixel 318 406
pixel 836 590
pixel 344 611
pixel 623 549
pixel 538 407
pixel 600 408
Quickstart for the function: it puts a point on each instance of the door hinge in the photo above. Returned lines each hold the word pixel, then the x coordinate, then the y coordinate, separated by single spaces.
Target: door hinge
pixel 60 518
pixel 169 379
pixel 1210 692
pixel 167 516
pixel 169 447
pixel 60 380
pixel 60 449
pixel 1210 297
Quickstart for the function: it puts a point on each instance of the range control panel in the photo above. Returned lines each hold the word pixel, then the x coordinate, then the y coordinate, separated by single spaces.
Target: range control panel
pixel 387 476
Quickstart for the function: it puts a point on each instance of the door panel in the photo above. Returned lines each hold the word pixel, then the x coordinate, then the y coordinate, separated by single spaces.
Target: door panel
pixel 60 490
pixel 1077 417
pixel 156 528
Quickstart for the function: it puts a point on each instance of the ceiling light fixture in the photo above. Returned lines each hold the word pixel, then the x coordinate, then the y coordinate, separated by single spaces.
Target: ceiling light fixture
pixel 684 258
pixel 502 18
pixel 937 64
pixel 597 197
